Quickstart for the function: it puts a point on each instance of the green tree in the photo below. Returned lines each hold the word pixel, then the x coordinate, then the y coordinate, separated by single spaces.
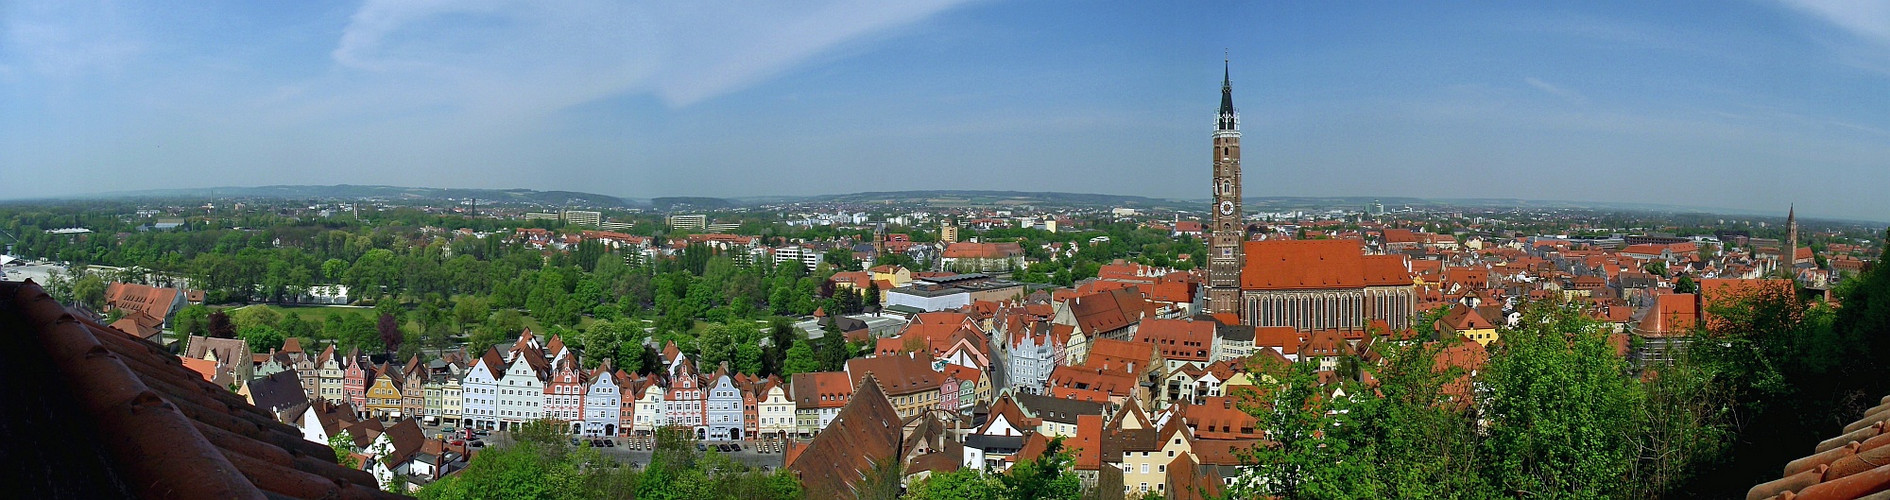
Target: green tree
pixel 747 358
pixel 254 316
pixel 714 346
pixel 343 444
pixel 192 320
pixel 961 484
pixel 261 338
pixel 1685 285
pixel 1048 476
pixel 89 290
pixel 332 269
pixel 841 259
pixel 1560 411
pixel 507 322
pixel 831 348
pixel 482 339
pixel 800 359
pixel 549 433
pixel 1317 449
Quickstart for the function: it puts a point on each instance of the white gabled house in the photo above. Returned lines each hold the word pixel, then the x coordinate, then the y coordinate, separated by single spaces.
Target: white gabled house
pixel 602 403
pixel 479 391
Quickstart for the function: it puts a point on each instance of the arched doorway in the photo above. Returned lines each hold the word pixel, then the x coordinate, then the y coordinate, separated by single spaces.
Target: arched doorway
pixel 735 434
pixel 577 428
pixel 610 429
pixel 701 433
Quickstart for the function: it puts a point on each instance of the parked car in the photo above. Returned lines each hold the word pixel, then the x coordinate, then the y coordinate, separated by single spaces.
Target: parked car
pixel 476 443
pixel 574 441
pixel 701 447
pixel 736 446
pixel 609 443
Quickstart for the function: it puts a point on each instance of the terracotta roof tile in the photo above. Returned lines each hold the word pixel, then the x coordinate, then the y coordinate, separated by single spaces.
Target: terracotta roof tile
pixel 1318 264
pixel 166 432
pixel 1850 466
pixel 841 456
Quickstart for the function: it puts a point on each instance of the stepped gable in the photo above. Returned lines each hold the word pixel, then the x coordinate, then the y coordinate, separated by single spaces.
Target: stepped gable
pixel 1855 464
pixel 121 417
pixel 839 459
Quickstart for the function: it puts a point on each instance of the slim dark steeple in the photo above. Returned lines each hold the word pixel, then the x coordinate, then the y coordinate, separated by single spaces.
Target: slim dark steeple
pixel 1229 120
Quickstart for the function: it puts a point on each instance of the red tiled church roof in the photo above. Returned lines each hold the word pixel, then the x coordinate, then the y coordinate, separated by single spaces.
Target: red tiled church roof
pixel 1318 264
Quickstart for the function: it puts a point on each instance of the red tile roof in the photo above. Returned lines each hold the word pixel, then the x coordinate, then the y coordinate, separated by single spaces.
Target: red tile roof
pixel 842 455
pixel 898 375
pixel 1107 311
pixel 1123 356
pixel 1090 384
pixel 1318 264
pixel 1087 445
pixel 1673 314
pixel 1182 340
pixel 821 389
pixel 1462 317
pixel 1282 338
pixel 1853 465
pixel 134 325
pixel 153 301
pixel 164 432
pixel 1219 417
pixel 968 250
pixel 1400 236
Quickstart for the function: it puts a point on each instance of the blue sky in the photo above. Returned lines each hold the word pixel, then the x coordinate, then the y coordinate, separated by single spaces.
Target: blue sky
pixel 1748 105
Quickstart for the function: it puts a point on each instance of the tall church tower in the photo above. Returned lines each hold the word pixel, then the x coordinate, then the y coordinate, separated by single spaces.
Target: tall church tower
pixel 1791 240
pixel 1227 230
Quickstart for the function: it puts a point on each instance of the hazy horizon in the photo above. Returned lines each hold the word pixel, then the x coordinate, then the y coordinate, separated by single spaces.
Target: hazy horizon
pixel 1740 105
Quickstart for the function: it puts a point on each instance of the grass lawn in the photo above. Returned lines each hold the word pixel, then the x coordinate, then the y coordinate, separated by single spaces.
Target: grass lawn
pixel 584 322
pixel 316 314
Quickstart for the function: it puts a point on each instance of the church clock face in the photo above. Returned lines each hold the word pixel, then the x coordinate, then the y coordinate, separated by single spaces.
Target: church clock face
pixel 1227 207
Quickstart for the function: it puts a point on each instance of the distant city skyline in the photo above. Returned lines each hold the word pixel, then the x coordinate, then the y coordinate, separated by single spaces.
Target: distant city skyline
pixel 1742 105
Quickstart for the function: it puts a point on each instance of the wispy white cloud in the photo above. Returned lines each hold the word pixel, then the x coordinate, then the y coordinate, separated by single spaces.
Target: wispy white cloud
pixel 1553 89
pixel 1868 19
pixel 1867 22
pixel 68 38
pixel 554 54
